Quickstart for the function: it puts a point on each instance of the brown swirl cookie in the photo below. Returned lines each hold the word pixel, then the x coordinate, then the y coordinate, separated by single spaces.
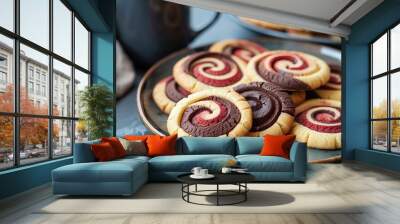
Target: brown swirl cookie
pixel 318 123
pixel 272 108
pixel 167 92
pixel 243 49
pixel 209 70
pixel 211 113
pixel 290 70
pixel 333 88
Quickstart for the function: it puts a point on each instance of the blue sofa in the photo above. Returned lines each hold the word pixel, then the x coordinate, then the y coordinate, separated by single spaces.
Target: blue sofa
pixel 125 176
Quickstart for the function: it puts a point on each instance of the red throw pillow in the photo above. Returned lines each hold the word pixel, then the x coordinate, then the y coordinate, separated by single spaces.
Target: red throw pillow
pixel 103 152
pixel 277 145
pixel 161 145
pixel 116 145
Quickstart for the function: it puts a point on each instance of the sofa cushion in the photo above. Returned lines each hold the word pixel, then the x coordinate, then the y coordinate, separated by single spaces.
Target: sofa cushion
pixel 249 145
pixel 206 145
pixel 112 171
pixel 83 152
pixel 257 163
pixel 185 163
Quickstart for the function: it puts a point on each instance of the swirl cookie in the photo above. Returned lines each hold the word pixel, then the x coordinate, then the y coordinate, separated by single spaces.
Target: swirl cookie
pixel 211 113
pixel 205 70
pixel 290 70
pixel 318 123
pixel 332 89
pixel 167 92
pixel 272 108
pixel 242 49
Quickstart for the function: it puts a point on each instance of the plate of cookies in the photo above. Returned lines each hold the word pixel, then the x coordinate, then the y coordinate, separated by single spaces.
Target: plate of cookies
pixel 240 87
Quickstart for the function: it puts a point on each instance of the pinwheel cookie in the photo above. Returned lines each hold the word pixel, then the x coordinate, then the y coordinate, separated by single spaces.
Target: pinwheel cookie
pixel 206 70
pixel 332 89
pixel 211 113
pixel 318 123
pixel 292 70
pixel 242 49
pixel 272 108
pixel 167 92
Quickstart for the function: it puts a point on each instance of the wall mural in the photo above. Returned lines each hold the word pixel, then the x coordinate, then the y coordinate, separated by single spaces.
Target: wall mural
pixel 194 72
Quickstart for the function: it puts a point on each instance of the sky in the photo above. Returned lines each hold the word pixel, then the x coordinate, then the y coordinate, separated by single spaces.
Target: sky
pixel 35 27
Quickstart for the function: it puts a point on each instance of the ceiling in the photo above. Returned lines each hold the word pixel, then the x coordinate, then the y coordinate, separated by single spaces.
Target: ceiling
pixel 326 16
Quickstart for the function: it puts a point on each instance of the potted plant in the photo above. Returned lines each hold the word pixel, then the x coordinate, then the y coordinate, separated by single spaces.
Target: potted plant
pixel 96 104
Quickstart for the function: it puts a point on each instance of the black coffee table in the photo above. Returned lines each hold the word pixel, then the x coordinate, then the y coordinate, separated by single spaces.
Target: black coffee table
pixel 238 179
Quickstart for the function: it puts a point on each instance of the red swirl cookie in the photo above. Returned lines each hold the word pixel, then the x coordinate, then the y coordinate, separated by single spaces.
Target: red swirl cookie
pixel 211 113
pixel 332 89
pixel 243 49
pixel 318 123
pixel 291 70
pixel 205 70
pixel 167 92
pixel 272 108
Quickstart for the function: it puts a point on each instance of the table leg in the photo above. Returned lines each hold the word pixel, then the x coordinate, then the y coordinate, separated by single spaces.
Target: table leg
pixel 245 193
pixel 195 188
pixel 217 194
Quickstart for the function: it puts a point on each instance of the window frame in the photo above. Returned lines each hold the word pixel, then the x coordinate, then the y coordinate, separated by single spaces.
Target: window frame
pixel 388 74
pixel 16 114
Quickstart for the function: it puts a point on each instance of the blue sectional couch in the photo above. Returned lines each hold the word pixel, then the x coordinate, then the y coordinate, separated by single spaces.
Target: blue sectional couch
pixel 125 176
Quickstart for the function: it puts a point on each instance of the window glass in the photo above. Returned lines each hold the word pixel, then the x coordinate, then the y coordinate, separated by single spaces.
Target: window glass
pixel 62 137
pixel 395 94
pixel 7 14
pixel 81 131
pixel 62 29
pixel 81 82
pixel 379 135
pixel 6 142
pixel 39 62
pixel 395 136
pixel 6 74
pixel 34 21
pixel 33 140
pixel 62 89
pixel 379 97
pixel 81 45
pixel 379 56
pixel 395 47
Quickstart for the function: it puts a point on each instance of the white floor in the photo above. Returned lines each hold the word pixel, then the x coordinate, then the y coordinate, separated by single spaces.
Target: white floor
pixel 376 189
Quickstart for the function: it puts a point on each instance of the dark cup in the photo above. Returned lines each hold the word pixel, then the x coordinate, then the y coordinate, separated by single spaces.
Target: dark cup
pixel 150 30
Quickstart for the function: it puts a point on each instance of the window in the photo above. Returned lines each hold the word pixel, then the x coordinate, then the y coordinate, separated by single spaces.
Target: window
pixel 385 94
pixel 30 87
pixel 41 124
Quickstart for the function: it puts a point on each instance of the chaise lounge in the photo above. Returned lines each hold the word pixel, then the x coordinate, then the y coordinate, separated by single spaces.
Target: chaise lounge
pixel 125 176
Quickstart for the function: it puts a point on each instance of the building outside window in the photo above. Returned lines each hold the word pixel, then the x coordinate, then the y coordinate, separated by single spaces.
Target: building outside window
pixel 56 128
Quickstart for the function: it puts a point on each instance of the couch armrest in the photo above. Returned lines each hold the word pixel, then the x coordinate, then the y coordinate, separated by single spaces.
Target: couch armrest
pixel 298 155
pixel 83 152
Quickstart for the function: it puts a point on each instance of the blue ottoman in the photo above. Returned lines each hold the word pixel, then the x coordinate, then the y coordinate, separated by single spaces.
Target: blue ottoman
pixel 118 177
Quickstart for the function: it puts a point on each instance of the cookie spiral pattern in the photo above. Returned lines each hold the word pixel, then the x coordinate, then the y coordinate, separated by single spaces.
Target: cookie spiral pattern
pixel 205 70
pixel 167 92
pixel 272 108
pixel 211 113
pixel 243 49
pixel 291 70
pixel 318 122
pixel 332 89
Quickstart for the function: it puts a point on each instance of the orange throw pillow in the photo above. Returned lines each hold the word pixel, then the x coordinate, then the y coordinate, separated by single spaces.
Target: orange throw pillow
pixel 103 152
pixel 277 145
pixel 116 145
pixel 136 137
pixel 161 145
